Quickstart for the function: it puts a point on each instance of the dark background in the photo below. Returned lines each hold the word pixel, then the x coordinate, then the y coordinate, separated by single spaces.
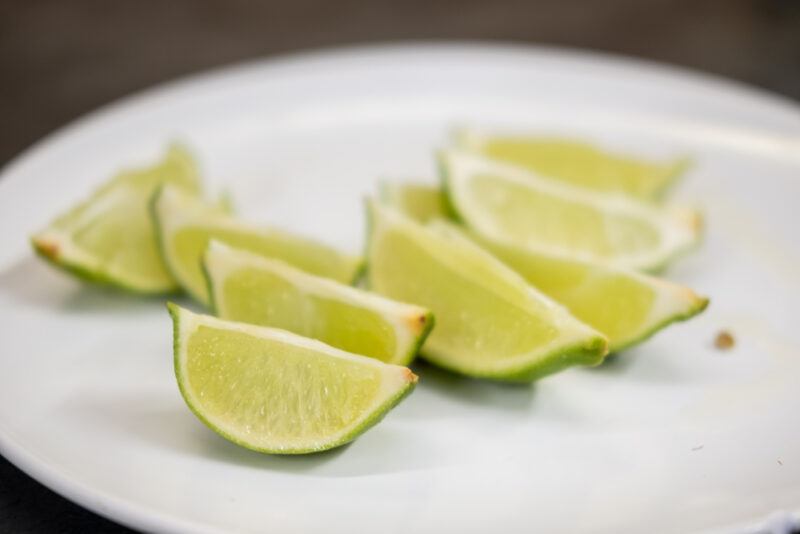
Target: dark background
pixel 62 58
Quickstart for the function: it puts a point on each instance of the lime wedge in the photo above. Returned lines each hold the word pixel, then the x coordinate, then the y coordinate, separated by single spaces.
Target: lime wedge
pixel 644 304
pixel 577 163
pixel 423 203
pixel 276 392
pixel 504 202
pixel 489 322
pixel 254 289
pixel 185 225
pixel 418 201
pixel 625 305
pixel 109 237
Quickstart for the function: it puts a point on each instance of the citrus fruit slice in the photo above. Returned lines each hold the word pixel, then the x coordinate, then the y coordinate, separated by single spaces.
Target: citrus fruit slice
pixel 185 225
pixel 577 162
pixel 504 202
pixel 626 306
pixel 418 201
pixel 276 392
pixel 253 289
pixel 489 322
pixel 109 237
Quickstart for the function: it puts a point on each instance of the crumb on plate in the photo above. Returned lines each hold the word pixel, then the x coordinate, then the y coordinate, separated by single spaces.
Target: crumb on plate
pixel 724 340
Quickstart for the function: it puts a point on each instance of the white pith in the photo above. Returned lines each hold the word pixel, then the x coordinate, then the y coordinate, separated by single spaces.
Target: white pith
pixel 671 300
pixel 471 138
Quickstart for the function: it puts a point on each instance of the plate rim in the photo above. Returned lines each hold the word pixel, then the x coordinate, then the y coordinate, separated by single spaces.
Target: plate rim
pixel 338 52
pixel 137 516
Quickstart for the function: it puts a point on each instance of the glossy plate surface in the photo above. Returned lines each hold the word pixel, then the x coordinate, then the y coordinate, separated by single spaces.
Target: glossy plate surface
pixel 672 437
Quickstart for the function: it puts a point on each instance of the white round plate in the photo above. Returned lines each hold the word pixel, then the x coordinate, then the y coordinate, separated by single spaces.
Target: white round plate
pixel 672 437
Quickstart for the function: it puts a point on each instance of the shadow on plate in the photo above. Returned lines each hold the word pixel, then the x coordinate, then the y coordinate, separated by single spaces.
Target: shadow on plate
pixel 155 419
pixel 616 363
pixel 486 394
pixel 642 364
pixel 31 282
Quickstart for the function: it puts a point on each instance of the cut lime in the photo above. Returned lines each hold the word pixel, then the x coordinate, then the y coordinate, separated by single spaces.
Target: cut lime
pixel 109 238
pixel 276 392
pixel 504 202
pixel 254 289
pixel 489 322
pixel 185 226
pixel 577 162
pixel 420 202
pixel 423 203
pixel 625 305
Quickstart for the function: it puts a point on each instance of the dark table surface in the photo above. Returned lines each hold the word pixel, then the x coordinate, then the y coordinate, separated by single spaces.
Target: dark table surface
pixel 62 58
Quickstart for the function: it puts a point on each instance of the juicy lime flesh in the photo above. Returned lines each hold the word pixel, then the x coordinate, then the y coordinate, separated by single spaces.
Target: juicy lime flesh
pixel 584 165
pixel 529 216
pixel 472 319
pixel 420 202
pixel 264 392
pixel 189 244
pixel 611 302
pixel 115 227
pixel 259 297
pixel 177 168
pixel 121 239
pixel 616 306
